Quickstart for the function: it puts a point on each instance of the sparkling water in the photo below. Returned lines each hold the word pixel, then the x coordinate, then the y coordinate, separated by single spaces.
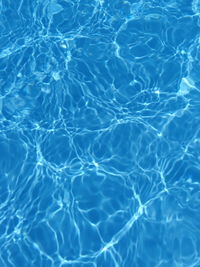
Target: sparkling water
pixel 99 133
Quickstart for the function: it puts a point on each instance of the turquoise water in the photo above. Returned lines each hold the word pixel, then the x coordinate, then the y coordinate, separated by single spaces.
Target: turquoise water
pixel 99 133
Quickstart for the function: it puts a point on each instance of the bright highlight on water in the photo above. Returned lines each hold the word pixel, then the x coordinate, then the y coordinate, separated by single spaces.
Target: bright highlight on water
pixel 99 133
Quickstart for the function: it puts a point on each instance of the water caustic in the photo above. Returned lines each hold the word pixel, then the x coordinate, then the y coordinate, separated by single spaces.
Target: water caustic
pixel 99 133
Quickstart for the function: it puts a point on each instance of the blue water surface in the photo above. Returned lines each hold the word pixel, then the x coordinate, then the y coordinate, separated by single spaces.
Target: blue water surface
pixel 99 133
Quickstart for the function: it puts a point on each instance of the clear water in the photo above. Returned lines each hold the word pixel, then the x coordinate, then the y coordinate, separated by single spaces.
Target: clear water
pixel 99 133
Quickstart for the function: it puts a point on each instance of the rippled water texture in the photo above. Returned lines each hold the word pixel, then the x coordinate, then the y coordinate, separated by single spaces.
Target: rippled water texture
pixel 99 133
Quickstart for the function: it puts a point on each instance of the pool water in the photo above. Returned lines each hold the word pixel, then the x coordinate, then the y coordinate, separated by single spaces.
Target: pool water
pixel 99 133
